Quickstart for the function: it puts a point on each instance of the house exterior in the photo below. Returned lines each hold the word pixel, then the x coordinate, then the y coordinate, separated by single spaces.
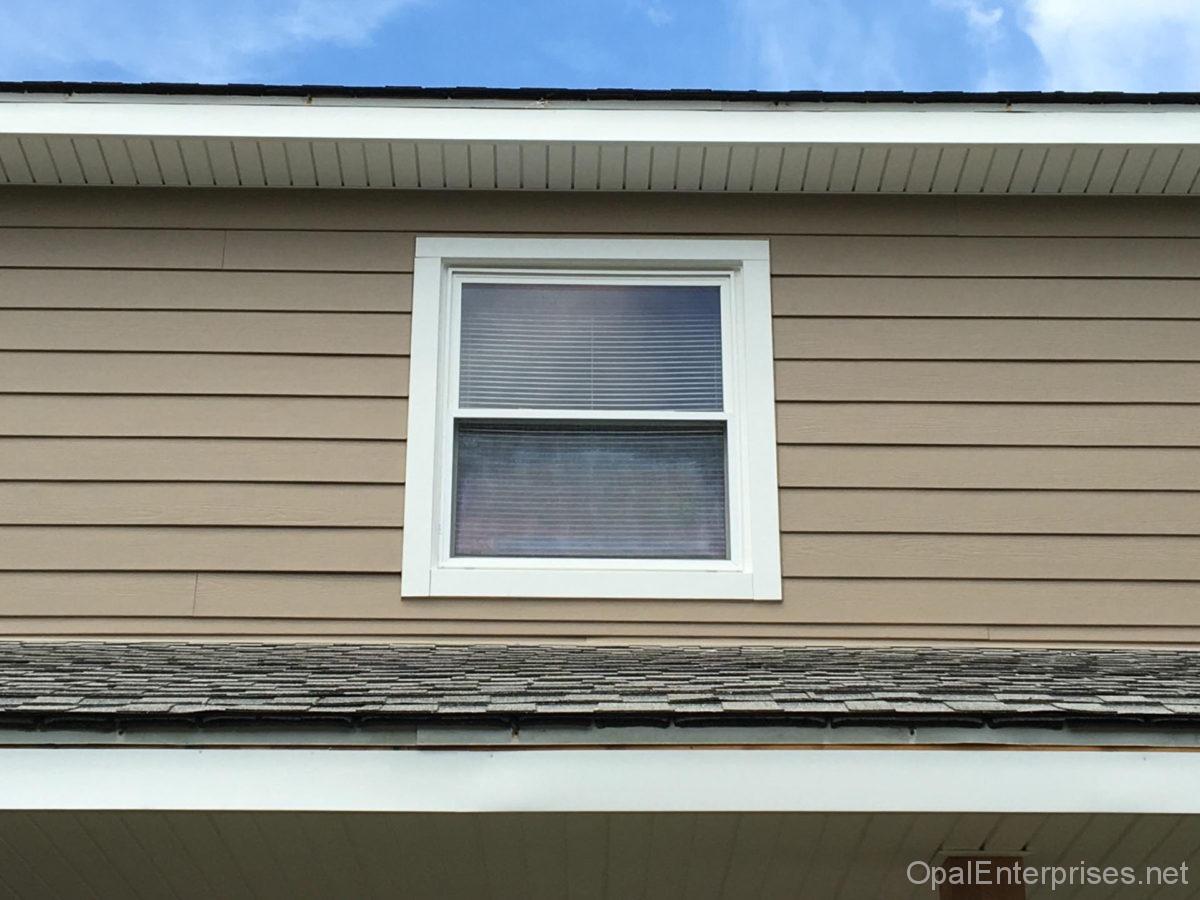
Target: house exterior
pixel 598 493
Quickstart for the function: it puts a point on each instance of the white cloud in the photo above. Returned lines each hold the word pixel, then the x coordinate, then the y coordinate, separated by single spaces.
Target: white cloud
pixel 815 44
pixel 1128 45
pixel 658 14
pixel 176 40
pixel 983 20
pixel 987 29
pixel 1087 45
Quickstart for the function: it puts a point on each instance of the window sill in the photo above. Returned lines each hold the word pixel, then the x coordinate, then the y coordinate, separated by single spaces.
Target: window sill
pixel 594 584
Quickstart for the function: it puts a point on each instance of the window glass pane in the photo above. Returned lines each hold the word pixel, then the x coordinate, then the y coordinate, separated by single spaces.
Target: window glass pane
pixel 575 346
pixel 590 490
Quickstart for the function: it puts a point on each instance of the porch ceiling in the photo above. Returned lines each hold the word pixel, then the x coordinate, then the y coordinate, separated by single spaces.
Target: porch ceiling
pixel 68 855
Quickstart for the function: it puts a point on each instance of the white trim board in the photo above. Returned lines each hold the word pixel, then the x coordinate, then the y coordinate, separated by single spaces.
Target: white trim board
pixel 742 270
pixel 558 780
pixel 965 125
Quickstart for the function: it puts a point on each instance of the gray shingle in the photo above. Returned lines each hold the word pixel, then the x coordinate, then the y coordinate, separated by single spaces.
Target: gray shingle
pixel 131 678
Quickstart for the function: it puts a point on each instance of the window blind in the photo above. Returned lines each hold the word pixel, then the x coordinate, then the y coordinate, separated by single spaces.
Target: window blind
pixel 590 489
pixel 590 346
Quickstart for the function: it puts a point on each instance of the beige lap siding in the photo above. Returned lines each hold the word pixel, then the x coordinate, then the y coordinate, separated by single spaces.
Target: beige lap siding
pixel 988 413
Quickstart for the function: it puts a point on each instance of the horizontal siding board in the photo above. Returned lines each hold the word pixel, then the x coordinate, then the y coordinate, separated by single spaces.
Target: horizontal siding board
pixel 191 373
pixel 89 503
pixel 1124 298
pixel 1150 636
pixel 805 601
pixel 1027 256
pixel 989 512
pixel 992 556
pixel 170 459
pixel 288 417
pixel 1109 382
pixel 866 634
pixel 1061 468
pixel 111 248
pixel 976 338
pixel 165 289
pixel 870 634
pixel 88 548
pixel 370 629
pixel 984 424
pixel 947 601
pixel 97 593
pixel 602 213
pixel 222 332
pixel 315 596
pixel 331 251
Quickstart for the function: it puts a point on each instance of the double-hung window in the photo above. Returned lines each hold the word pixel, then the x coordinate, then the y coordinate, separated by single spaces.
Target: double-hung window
pixel 591 418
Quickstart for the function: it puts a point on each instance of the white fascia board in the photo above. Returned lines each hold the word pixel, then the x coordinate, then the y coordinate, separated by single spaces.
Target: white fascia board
pixel 558 780
pixel 918 125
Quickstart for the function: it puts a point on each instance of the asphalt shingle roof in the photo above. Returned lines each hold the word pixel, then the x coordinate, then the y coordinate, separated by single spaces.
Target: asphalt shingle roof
pixel 537 94
pixel 198 680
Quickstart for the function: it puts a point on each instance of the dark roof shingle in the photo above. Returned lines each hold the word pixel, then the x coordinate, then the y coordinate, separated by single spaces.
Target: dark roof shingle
pixel 44 679
pixel 552 94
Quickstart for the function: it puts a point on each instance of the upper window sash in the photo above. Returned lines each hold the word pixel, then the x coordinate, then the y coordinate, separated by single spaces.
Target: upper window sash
pixel 459 276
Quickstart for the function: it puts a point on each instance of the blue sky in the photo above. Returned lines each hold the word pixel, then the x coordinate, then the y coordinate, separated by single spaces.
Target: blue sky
pixel 766 44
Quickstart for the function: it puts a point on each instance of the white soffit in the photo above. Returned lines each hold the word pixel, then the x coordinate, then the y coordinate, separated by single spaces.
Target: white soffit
pixel 559 146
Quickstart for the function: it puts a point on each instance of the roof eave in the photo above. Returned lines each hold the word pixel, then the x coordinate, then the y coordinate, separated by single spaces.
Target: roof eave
pixel 560 94
pixel 980 145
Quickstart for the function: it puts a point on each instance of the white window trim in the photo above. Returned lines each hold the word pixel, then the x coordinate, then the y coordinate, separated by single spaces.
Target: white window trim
pixel 752 573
